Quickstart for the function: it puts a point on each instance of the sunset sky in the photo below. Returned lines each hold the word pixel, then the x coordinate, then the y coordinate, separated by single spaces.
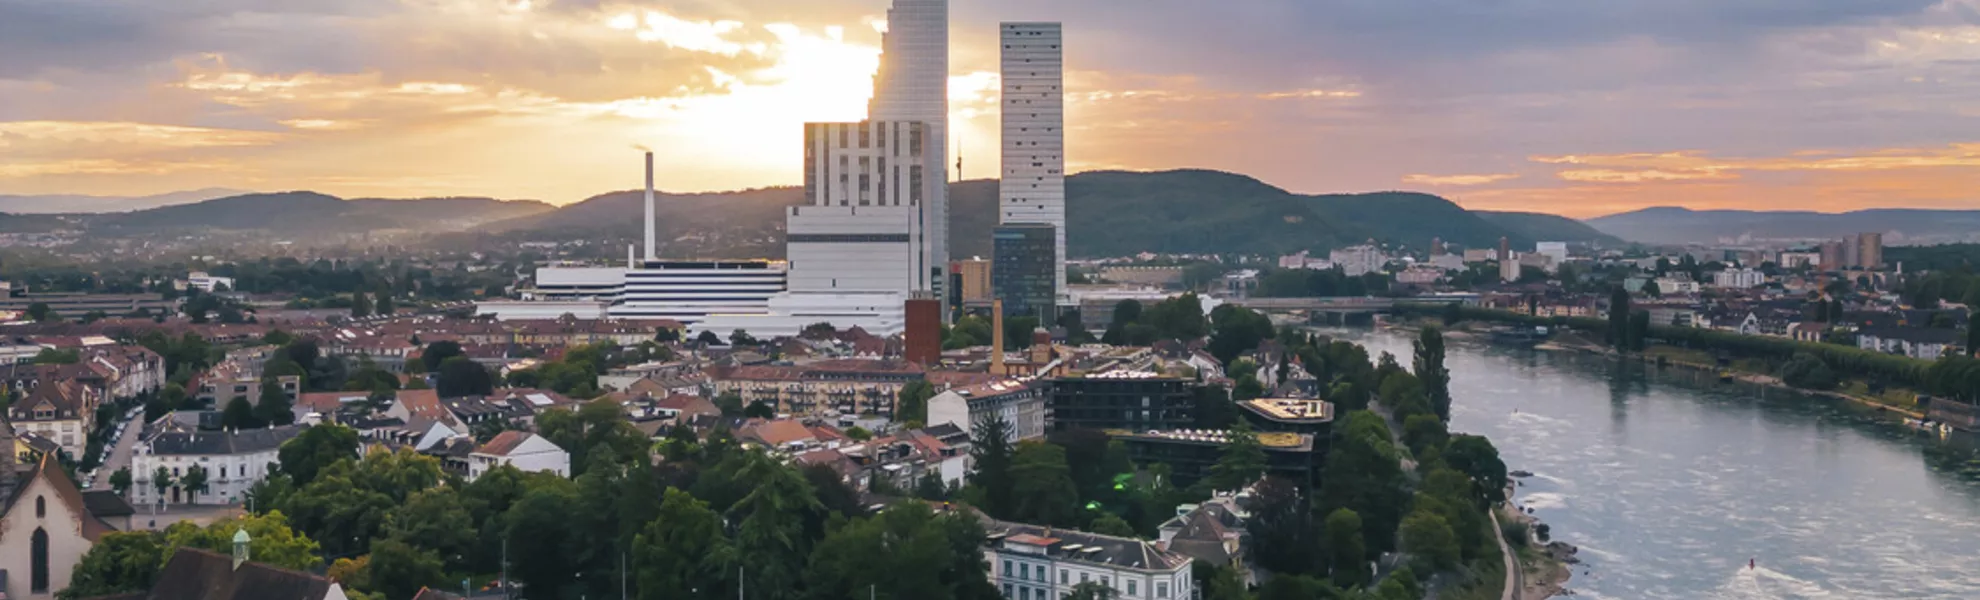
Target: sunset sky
pixel 1577 107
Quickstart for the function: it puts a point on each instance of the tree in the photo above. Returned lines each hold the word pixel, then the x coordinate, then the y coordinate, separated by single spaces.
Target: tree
pixel 760 410
pixel 316 448
pixel 1092 590
pixel 1650 289
pixel 274 406
pixel 1429 369
pixel 1430 541
pixel 731 404
pixel 1237 330
pixel 682 553
pixel 1618 332
pixel 912 404
pixel 1285 538
pixel 1242 462
pixel 1111 524
pixel 1423 432
pixel 360 305
pixel 39 312
pixel 437 353
pixel 56 356
pixel 1297 587
pixel 1347 554
pixel 398 569
pixel 1475 456
pixel 771 526
pixel 990 451
pixel 1807 372
pixel 122 561
pixel 272 541
pixel 120 481
pixel 461 377
pixel 1043 489
pixel 858 433
pixel 434 519
pixel 194 482
pixel 161 479
pixel 741 338
pixel 548 560
pixel 385 306
pixel 709 338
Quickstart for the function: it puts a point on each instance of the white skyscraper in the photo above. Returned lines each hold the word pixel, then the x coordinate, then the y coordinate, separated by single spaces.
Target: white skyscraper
pixel 1032 186
pixel 913 85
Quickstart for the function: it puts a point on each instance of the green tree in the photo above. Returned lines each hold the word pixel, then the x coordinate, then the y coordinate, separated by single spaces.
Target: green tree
pixel 384 305
pixel 274 405
pixel 315 448
pixel 161 480
pixel 1429 369
pixel 56 356
pixel 1242 462
pixel 39 312
pixel 434 519
pixel 545 548
pixel 1650 289
pixel 1297 587
pixel 913 402
pixel 1807 372
pixel 905 552
pixel 1111 524
pixel 682 553
pixel 1043 488
pixel 1285 538
pixel 1347 554
pixel 1423 432
pixel 120 481
pixel 741 338
pixel 360 305
pixel 1430 542
pixel 437 353
pixel 398 569
pixel 1092 590
pixel 461 377
pixel 272 541
pixel 122 561
pixel 731 404
pixel 1237 330
pixel 194 482
pixel 771 527
pixel 991 453
pixel 760 410
pixel 1639 331
pixel 1618 332
pixel 1476 457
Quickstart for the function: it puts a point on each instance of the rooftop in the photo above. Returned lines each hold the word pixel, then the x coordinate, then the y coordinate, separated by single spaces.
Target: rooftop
pixel 1271 440
pixel 1292 409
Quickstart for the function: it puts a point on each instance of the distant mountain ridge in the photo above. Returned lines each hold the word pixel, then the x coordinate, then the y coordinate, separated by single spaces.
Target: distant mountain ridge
pixel 1109 213
pixel 1677 225
pixel 77 203
pixel 290 212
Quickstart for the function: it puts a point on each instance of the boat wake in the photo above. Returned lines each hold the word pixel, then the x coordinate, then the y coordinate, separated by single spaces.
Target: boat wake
pixel 1762 583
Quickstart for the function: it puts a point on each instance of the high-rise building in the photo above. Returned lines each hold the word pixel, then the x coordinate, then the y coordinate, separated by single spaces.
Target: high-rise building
pixel 1032 185
pixel 1024 268
pixel 1508 266
pixel 864 185
pixel 973 281
pixel 1870 250
pixel 1832 256
pixel 913 85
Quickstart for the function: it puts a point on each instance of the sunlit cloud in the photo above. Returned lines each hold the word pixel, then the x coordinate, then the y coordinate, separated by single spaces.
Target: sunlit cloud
pixel 24 135
pixel 1458 180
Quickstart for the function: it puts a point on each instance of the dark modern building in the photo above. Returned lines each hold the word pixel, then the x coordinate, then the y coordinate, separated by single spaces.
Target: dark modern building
pixel 75 306
pixel 1123 400
pixel 1289 415
pixel 1025 269
pixel 1190 453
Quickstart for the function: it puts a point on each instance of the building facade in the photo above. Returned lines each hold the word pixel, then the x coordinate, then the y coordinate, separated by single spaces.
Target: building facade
pixel 1032 562
pixel 1019 404
pixel 1024 269
pixel 1193 453
pixel 1126 400
pixel 863 226
pixel 1870 250
pixel 1032 185
pixel 45 528
pixel 1356 261
pixel 912 85
pixel 233 461
pixel 525 451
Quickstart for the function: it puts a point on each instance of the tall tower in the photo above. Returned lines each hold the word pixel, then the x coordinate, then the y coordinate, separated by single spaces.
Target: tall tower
pixel 1031 187
pixel 913 85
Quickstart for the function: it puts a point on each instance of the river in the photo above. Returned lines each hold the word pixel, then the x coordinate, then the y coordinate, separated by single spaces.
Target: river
pixel 1670 482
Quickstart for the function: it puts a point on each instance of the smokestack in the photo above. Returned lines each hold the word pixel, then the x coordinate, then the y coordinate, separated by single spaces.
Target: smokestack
pixel 997 336
pixel 649 206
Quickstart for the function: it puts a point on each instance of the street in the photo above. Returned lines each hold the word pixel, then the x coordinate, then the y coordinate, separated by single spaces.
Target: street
pixel 120 455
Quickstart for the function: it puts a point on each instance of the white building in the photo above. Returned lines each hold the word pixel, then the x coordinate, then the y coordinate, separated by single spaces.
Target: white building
pixel 881 314
pixel 1671 285
pixel 1736 278
pixel 1356 261
pixel 913 86
pixel 201 281
pixel 683 290
pixel 1557 250
pixel 525 451
pixel 1030 562
pixel 862 230
pixel 1032 185
pixel 45 527
pixel 233 460
pixel 1018 403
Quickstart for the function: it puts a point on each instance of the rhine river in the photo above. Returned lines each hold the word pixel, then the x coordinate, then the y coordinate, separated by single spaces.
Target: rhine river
pixel 1670 484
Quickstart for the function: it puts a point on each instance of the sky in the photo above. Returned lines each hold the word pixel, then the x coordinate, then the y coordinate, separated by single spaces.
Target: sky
pixel 1575 107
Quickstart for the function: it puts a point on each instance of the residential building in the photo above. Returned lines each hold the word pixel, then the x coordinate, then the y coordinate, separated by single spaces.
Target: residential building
pixel 1356 261
pixel 1558 251
pixel 1126 400
pixel 1024 269
pixel 1737 279
pixel 198 574
pixel 1212 532
pixel 1923 343
pixel 1032 185
pixel 45 527
pixel 1674 285
pixel 1508 264
pixel 1420 275
pixel 68 305
pixel 1020 404
pixel 1192 453
pixel 234 460
pixel 523 450
pixel 1832 256
pixel 847 386
pixel 204 282
pixel 1032 562
pixel 61 410
pixel 1870 250
pixel 228 381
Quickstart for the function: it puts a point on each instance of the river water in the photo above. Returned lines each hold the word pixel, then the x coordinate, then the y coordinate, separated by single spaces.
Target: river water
pixel 1670 481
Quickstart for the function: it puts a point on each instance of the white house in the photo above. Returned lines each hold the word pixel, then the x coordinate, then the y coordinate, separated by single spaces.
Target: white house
pixel 1019 404
pixel 1030 562
pixel 59 410
pixel 1738 278
pixel 205 282
pixel 523 450
pixel 45 531
pixel 1922 343
pixel 232 460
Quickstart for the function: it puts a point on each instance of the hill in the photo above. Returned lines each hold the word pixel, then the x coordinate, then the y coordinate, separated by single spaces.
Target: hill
pixel 74 203
pixel 292 212
pixel 1675 225
pixel 1109 213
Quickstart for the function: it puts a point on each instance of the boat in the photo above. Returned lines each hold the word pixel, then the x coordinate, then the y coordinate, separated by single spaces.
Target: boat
pixel 1520 473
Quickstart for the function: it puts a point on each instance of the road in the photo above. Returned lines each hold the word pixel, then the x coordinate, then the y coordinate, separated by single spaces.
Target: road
pixel 120 455
pixel 1514 585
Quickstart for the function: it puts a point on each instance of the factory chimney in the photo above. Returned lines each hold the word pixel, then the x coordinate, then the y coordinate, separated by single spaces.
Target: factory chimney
pixel 997 337
pixel 649 206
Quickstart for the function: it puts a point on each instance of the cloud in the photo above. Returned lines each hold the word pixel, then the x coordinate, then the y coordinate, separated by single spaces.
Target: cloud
pixel 1458 180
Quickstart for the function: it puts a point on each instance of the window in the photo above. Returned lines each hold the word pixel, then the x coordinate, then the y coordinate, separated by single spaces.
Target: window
pixel 1007 590
pixel 1082 577
pixel 1062 576
pixel 1024 593
pixel 1131 591
pixel 1007 568
pixel 1161 589
pixel 38 562
pixel 40 507
pixel 1024 571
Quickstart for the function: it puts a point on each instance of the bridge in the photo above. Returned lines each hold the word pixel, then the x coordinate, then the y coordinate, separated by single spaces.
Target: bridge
pixel 1335 304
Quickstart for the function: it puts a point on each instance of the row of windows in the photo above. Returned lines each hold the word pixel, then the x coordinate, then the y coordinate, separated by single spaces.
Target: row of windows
pixel 1025 572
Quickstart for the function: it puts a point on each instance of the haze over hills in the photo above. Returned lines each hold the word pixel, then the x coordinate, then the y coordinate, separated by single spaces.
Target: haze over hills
pixel 74 203
pixel 1675 225
pixel 1110 213
pixel 292 212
